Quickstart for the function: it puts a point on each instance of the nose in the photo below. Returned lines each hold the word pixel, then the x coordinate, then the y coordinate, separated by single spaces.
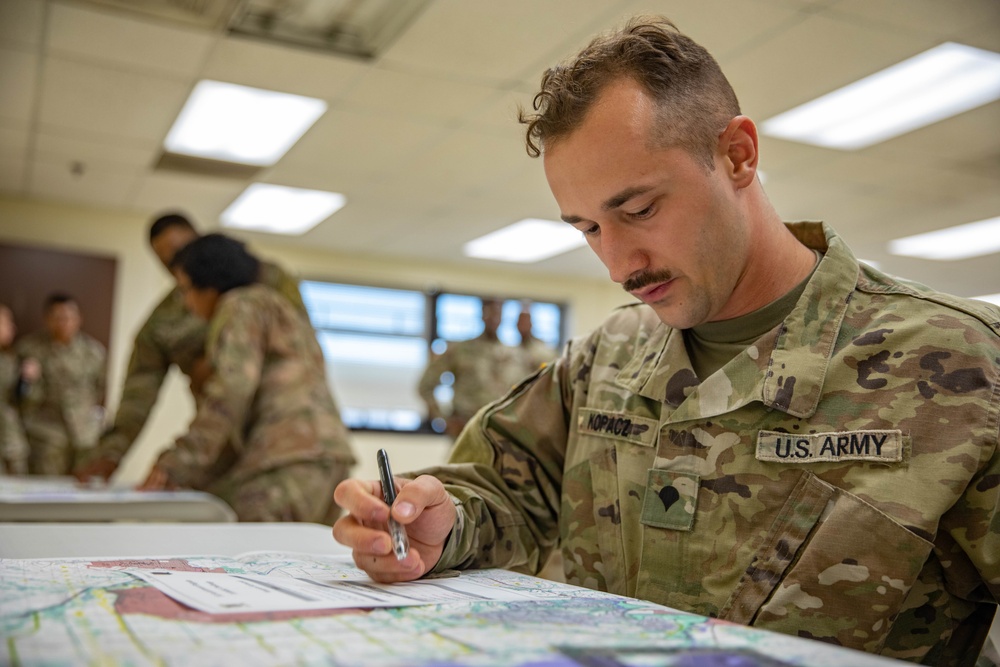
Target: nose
pixel 621 252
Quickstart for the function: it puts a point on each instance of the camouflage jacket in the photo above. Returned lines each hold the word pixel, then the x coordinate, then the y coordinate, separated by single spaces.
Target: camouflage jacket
pixel 839 479
pixel 531 356
pixel 170 336
pixel 72 385
pixel 481 367
pixel 13 446
pixel 267 399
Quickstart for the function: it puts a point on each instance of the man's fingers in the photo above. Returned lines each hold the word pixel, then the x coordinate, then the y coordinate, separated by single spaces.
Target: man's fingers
pixel 416 495
pixel 362 499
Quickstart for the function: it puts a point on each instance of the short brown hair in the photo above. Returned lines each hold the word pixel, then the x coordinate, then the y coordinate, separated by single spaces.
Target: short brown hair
pixel 693 97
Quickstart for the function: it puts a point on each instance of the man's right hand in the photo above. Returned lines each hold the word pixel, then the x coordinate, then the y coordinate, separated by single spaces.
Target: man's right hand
pixel 422 506
pixel 99 467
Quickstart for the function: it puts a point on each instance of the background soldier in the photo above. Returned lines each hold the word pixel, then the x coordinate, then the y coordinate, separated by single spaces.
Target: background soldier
pixel 170 336
pixel 267 437
pixel 481 370
pixel 531 352
pixel 61 409
pixel 13 445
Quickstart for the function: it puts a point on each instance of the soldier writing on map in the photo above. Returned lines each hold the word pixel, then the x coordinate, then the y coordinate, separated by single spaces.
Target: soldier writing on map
pixel 698 449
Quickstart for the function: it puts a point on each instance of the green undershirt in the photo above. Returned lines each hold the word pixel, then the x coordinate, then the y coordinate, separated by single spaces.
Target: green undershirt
pixel 713 344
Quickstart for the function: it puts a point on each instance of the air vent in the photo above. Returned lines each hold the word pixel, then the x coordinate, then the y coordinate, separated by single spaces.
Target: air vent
pixel 361 28
pixel 209 14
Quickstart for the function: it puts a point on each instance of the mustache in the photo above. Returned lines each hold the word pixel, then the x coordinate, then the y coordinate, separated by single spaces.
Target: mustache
pixel 646 278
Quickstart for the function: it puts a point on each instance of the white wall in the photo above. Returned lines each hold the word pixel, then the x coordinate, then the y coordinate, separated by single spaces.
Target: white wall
pixel 141 282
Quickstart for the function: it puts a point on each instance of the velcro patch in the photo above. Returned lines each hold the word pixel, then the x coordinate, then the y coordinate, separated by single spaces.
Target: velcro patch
pixel 884 446
pixel 617 425
pixel 671 499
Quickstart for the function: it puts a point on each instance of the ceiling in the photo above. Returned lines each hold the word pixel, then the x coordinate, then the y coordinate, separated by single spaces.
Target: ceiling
pixel 422 140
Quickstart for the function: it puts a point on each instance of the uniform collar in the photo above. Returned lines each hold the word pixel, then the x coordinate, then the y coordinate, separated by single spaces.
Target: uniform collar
pixel 785 369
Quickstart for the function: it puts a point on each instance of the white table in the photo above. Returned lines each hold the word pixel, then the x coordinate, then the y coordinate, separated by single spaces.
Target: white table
pixel 96 540
pixel 63 499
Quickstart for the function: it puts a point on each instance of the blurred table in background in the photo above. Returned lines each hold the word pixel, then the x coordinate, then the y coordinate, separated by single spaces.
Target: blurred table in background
pixel 64 499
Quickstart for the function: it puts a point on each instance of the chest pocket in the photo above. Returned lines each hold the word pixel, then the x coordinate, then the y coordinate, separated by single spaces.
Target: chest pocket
pixel 831 567
pixel 602 499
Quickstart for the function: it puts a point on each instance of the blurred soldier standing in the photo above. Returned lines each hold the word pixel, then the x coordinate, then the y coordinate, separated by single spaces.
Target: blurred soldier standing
pixel 532 353
pixel 481 368
pixel 170 336
pixel 267 437
pixel 61 408
pixel 13 445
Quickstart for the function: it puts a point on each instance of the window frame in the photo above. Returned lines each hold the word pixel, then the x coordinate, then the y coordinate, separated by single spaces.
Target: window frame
pixel 430 333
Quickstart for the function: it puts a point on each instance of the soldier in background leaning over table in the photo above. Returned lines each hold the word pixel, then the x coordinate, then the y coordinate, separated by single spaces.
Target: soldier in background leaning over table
pixel 62 406
pixel 267 437
pixel 480 367
pixel 170 336
pixel 13 445
pixel 778 436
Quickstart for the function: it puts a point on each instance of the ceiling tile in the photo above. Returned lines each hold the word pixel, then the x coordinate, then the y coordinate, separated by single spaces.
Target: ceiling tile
pixel 276 67
pixel 415 96
pixel 811 58
pixel 106 101
pixel 18 74
pixel 930 17
pixel 95 152
pixel 125 42
pixel 97 185
pixel 21 22
pixel 11 176
pixel 488 41
pixel 202 197
pixel 364 143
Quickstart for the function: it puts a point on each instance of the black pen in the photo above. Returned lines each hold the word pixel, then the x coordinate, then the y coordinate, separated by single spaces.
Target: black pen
pixel 400 544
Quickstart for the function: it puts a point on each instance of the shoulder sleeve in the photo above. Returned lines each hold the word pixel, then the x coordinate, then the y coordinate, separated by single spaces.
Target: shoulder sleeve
pixel 284 283
pixel 147 367
pixel 505 475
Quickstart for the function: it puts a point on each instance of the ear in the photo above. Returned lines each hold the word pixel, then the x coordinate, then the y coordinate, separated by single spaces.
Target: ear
pixel 738 148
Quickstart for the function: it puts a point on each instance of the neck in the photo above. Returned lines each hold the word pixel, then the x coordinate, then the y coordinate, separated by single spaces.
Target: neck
pixel 765 279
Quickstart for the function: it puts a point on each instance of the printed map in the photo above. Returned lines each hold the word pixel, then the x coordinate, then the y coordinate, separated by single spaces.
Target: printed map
pixel 88 611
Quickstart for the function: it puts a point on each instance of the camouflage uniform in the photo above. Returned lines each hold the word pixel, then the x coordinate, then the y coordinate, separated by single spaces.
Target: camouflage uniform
pixel 60 412
pixel 170 336
pixel 13 445
pixel 531 355
pixel 839 479
pixel 266 418
pixel 481 367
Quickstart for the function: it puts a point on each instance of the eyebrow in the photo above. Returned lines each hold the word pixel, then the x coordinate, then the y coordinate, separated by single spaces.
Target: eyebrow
pixel 612 202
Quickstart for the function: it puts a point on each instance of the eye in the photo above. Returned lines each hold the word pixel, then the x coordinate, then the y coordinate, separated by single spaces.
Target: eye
pixel 644 213
pixel 591 230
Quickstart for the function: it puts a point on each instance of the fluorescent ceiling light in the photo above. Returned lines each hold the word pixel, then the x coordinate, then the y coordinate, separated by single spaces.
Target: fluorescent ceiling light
pixel 989 298
pixel 969 240
pixel 942 82
pixel 223 121
pixel 529 240
pixel 281 210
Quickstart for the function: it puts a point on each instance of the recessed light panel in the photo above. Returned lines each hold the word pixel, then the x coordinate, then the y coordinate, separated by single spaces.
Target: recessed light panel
pixel 529 240
pixel 231 123
pixel 931 86
pixel 959 242
pixel 281 210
